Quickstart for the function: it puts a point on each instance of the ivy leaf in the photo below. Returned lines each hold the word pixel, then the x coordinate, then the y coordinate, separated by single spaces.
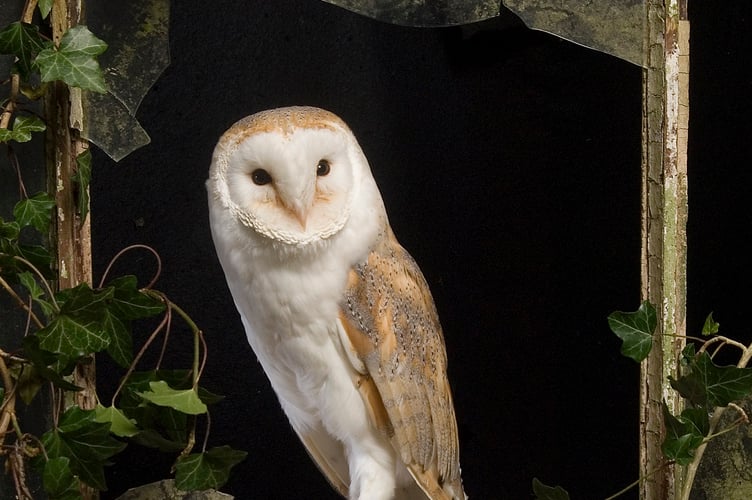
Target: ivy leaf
pixel 697 420
pixel 79 328
pixel 28 381
pixel 177 379
pixel 209 398
pixel 185 400
pixel 45 6
pixel 82 177
pixel 83 300
pixel 684 435
pixel 165 428
pixel 9 230
pixel 130 303
pixel 120 425
pixel 73 336
pixel 39 257
pixel 85 442
pixel 710 327
pixel 543 492
pixel 58 480
pixel 24 41
pixel 635 329
pixel 710 385
pixel 211 469
pixel 35 211
pixel 42 360
pixel 23 126
pixel 120 348
pixel 74 61
pixel 30 283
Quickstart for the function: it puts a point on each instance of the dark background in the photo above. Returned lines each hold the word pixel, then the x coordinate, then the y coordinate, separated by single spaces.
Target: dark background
pixel 509 162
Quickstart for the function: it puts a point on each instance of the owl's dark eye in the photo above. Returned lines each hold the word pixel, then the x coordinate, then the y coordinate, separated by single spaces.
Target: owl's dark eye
pixel 261 177
pixel 323 168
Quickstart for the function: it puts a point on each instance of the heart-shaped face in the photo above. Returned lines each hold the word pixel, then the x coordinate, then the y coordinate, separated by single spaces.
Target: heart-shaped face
pixel 288 173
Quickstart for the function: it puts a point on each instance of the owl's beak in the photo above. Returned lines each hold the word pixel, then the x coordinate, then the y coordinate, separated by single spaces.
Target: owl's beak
pixel 299 211
pixel 297 200
pixel 301 214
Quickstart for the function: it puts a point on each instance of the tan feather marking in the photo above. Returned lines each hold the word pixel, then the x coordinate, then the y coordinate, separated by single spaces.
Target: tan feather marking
pixel 393 326
pixel 361 343
pixel 283 121
pixel 375 405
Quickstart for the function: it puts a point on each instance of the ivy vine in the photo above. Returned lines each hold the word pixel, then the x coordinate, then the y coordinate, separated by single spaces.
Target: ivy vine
pixel 708 390
pixel 156 407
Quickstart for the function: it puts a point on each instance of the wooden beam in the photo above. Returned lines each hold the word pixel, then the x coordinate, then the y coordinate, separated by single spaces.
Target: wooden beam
pixel 664 220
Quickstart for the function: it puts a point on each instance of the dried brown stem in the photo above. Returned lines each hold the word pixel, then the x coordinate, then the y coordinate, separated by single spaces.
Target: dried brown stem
pixel 9 400
pixel 20 302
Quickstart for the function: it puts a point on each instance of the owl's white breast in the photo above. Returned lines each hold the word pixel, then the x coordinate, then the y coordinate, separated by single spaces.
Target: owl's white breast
pixel 289 298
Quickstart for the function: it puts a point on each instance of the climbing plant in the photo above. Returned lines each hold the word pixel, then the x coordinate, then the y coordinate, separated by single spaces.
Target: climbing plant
pixel 709 390
pixel 156 406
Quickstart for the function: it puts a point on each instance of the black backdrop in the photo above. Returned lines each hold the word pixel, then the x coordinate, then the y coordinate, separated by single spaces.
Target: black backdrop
pixel 509 164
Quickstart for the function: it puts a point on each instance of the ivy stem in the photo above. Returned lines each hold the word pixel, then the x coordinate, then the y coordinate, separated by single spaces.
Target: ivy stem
pixel 20 302
pixel 127 249
pixel 10 106
pixel 11 357
pixel 9 400
pixel 15 79
pixel 639 480
pixel 736 423
pixel 724 340
pixel 50 294
pixel 138 357
pixel 691 470
pixel 206 434
pixel 166 338
pixel 194 329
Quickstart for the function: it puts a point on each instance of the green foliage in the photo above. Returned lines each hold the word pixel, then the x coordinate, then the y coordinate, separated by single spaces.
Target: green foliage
pixel 684 434
pixel 120 425
pixel 210 469
pixel 65 329
pixel 156 408
pixel 90 321
pixel 74 61
pixel 59 481
pixel 23 41
pixel 709 385
pixel 23 126
pixel 82 177
pixel 185 400
pixel 45 6
pixel 129 303
pixel 41 363
pixel 703 384
pixel 635 329
pixel 86 443
pixel 543 492
pixel 13 252
pixel 710 327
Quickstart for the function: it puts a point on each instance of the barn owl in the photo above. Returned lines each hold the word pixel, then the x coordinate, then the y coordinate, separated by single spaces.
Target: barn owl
pixel 337 312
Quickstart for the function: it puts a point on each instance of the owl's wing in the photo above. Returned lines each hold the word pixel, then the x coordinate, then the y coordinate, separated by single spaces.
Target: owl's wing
pixel 328 455
pixel 392 326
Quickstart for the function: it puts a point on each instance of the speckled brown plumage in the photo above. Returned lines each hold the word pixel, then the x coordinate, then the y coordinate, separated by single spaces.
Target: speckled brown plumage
pixel 392 323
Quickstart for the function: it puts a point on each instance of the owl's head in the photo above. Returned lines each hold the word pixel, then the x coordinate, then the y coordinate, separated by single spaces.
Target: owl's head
pixel 289 174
